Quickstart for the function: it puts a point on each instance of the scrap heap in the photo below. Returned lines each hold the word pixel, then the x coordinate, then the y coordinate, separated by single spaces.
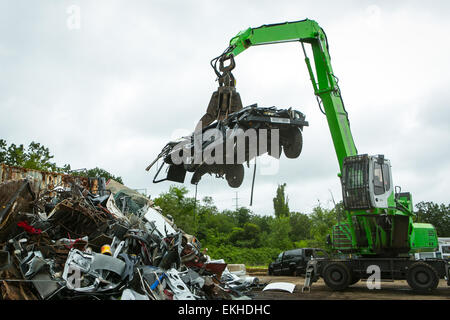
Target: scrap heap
pixel 65 237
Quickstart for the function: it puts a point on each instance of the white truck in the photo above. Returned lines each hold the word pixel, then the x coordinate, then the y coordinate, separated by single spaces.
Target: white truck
pixel 442 253
pixel 444 248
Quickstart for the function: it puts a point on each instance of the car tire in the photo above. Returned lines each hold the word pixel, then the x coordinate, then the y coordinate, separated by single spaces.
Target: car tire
pixel 270 272
pixel 235 175
pixel 293 148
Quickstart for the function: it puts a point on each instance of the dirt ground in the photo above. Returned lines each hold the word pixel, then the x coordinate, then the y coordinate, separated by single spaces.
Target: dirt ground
pixel 397 290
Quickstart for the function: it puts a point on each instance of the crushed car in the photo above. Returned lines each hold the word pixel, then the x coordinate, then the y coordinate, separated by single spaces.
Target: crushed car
pixel 222 147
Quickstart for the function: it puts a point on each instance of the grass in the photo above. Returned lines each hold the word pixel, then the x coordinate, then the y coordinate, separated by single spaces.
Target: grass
pixel 256 267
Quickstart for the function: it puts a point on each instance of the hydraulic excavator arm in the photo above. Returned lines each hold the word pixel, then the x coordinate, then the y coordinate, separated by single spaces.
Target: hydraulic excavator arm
pixel 323 80
pixel 379 219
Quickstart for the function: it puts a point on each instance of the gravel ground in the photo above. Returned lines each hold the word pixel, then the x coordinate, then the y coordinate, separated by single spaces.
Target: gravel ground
pixel 397 290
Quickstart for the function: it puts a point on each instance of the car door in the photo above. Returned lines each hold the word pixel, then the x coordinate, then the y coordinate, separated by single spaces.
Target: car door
pixel 286 264
pixel 277 264
pixel 299 261
pixel 308 253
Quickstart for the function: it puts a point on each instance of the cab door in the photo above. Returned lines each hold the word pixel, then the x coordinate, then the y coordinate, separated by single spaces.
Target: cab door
pixel 289 261
pixel 381 186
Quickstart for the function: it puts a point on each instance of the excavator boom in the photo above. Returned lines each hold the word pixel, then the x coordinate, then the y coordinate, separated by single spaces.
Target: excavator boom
pixel 323 80
pixel 379 229
pixel 379 219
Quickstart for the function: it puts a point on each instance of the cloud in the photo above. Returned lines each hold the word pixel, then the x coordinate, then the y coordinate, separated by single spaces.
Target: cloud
pixel 114 92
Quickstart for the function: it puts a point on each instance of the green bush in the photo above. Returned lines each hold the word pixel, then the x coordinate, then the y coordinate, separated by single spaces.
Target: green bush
pixel 247 256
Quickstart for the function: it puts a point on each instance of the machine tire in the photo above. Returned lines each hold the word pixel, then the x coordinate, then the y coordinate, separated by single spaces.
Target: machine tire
pixel 422 277
pixel 337 276
pixel 235 175
pixel 293 149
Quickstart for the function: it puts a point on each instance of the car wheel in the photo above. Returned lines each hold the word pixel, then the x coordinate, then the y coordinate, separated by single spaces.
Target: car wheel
pixel 293 148
pixel 235 175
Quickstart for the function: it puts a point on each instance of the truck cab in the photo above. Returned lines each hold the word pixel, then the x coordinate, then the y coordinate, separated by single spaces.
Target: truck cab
pixel 444 248
pixel 445 251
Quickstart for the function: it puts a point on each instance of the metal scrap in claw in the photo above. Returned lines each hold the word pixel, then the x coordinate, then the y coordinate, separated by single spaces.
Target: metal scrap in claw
pixel 236 125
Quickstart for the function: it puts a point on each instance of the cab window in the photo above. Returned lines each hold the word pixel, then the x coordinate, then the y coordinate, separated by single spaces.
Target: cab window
pixel 279 257
pixel 378 185
pixel 386 179
pixel 308 253
pixel 320 254
pixel 381 181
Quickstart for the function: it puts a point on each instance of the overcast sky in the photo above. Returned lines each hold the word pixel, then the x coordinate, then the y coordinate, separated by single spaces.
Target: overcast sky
pixel 136 74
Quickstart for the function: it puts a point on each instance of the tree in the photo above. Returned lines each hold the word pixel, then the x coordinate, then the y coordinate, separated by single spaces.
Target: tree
pixel 99 172
pixel 280 202
pixel 301 226
pixel 279 235
pixel 3 151
pixel 208 204
pixel 35 157
pixel 38 157
pixel 322 222
pixel 246 237
pixel 181 208
pixel 437 215
pixel 263 222
pixel 242 215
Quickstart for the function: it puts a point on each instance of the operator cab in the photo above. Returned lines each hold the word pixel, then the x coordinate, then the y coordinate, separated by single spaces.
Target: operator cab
pixel 366 182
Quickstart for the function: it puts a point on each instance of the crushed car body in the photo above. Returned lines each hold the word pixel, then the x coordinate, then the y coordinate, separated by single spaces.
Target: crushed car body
pixel 222 147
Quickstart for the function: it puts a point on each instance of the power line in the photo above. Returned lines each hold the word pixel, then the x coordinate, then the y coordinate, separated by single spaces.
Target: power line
pixel 237 198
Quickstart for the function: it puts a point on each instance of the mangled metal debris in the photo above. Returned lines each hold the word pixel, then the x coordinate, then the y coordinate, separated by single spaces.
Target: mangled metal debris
pixel 282 286
pixel 70 241
pixel 222 147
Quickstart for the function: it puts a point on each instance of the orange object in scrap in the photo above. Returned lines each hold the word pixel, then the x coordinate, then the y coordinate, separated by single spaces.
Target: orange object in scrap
pixel 106 249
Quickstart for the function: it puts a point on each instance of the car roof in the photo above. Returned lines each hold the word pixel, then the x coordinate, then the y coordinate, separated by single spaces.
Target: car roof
pixel 305 249
pixel 302 249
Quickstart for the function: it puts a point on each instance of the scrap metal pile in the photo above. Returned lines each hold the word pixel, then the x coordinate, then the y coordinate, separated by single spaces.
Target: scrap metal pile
pixel 66 242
